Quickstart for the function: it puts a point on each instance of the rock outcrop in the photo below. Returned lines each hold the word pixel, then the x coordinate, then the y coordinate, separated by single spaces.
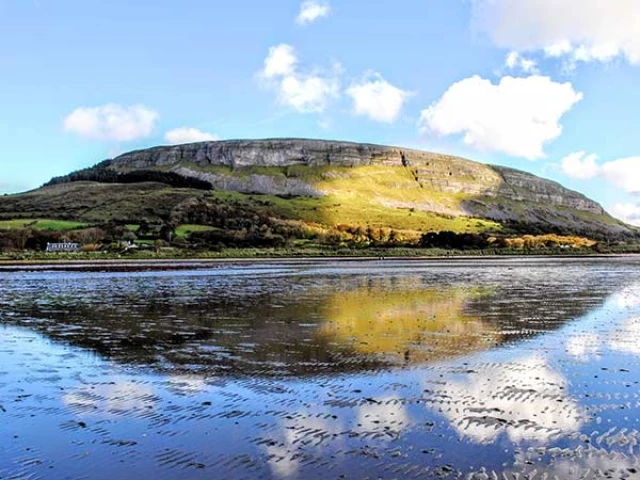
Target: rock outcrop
pixel 440 172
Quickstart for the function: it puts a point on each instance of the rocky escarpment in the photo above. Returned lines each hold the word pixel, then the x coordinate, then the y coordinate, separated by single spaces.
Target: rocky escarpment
pixel 265 153
pixel 327 183
pixel 522 186
pixel 430 170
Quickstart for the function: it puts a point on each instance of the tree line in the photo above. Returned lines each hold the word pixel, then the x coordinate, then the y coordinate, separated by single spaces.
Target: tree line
pixel 104 174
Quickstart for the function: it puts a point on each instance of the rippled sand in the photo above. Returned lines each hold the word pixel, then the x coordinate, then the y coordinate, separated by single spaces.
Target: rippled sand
pixel 466 369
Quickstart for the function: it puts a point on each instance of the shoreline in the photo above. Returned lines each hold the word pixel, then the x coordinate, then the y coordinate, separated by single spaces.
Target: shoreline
pixel 168 264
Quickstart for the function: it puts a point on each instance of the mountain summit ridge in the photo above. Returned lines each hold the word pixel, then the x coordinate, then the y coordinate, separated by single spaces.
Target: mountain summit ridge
pixel 288 152
pixel 323 182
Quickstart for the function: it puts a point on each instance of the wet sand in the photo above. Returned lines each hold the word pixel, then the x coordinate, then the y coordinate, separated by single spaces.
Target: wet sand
pixel 521 368
pixel 132 265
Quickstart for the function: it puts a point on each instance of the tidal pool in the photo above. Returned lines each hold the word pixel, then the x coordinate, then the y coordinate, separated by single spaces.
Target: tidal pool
pixel 505 368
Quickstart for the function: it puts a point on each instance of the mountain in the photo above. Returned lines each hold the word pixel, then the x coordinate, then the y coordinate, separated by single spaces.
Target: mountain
pixel 325 183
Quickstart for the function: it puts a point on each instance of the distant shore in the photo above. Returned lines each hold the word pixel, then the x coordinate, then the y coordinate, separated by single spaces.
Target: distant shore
pixel 166 264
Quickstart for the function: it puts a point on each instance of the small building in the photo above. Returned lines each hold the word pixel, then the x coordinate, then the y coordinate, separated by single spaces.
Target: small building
pixel 63 247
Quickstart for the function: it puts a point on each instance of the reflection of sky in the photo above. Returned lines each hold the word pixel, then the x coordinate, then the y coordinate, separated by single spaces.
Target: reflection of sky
pixel 523 398
pixel 186 384
pixel 119 394
pixel 534 401
pixel 615 326
pixel 385 414
pixel 582 464
pixel 583 346
pixel 628 297
pixel 314 432
pixel 626 338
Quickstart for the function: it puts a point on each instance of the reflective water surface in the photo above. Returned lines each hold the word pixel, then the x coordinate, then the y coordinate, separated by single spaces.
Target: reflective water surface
pixel 394 369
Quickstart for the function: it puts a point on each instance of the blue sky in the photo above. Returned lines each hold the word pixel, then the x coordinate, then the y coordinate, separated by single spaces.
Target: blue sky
pixel 547 86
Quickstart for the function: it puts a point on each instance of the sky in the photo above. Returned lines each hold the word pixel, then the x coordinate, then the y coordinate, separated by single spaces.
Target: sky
pixel 545 86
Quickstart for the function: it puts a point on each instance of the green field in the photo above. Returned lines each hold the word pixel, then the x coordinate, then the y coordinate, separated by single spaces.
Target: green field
pixel 186 229
pixel 353 209
pixel 41 224
pixel 181 230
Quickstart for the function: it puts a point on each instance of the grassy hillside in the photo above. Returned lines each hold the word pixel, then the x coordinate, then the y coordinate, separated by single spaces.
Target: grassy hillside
pixel 41 224
pixel 354 202
pixel 369 196
pixel 92 202
pixel 385 200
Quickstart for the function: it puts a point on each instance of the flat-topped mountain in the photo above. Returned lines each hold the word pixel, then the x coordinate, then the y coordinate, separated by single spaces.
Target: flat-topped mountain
pixel 321 182
pixel 430 170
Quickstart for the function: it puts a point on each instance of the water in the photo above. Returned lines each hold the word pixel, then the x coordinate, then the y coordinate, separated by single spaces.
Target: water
pixel 448 369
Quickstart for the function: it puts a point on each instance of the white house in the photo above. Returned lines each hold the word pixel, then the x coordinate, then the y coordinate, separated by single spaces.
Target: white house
pixel 63 247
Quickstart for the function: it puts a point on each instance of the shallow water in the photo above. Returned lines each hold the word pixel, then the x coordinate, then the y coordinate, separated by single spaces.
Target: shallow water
pixel 450 369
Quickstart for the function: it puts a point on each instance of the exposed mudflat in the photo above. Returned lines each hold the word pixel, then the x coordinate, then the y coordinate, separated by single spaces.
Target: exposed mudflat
pixel 513 368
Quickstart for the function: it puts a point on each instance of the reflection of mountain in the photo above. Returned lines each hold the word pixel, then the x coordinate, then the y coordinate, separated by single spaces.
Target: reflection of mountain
pixel 284 324
pixel 408 324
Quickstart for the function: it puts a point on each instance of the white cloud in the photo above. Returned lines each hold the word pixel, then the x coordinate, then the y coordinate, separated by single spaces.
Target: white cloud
pixel 280 61
pixel 517 116
pixel 112 122
pixel 512 60
pixel 627 212
pixel 515 61
pixel 312 10
pixel 376 98
pixel 623 173
pixel 580 165
pixel 305 92
pixel 581 30
pixel 188 135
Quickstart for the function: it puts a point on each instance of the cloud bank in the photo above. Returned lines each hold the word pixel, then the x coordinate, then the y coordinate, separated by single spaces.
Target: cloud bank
pixel 112 122
pixel 518 116
pixel 188 135
pixel 578 30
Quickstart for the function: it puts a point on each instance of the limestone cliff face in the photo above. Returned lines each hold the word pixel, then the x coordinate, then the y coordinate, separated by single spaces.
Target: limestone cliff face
pixel 440 172
pixel 265 153
pixel 524 186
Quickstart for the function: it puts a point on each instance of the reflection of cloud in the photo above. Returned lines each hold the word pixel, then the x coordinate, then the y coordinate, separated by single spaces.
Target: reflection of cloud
pixel 625 339
pixel 575 464
pixel 118 395
pixel 628 297
pixel 186 384
pixel 283 461
pixel 384 414
pixel 583 346
pixel 526 400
